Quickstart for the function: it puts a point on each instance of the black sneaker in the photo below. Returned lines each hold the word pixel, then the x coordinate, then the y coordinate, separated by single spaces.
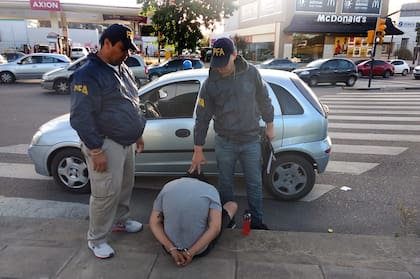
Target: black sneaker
pixel 232 224
pixel 260 226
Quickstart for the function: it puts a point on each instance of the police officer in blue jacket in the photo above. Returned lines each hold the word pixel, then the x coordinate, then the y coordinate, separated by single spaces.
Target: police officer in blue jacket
pixel 105 113
pixel 235 97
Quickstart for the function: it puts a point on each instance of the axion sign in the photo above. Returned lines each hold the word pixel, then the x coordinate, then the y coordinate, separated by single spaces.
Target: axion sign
pixel 46 5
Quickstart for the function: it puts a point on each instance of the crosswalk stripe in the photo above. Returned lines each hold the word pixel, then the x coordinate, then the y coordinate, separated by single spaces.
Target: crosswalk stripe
pixel 366 107
pixel 24 171
pixel 32 208
pixel 374 118
pixel 375 137
pixel 368 149
pixel 365 99
pixel 334 110
pixel 356 168
pixel 15 149
pixel 362 102
pixel 376 93
pixel 372 126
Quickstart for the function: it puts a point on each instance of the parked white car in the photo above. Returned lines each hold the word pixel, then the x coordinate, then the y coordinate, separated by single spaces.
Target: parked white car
pixel 77 52
pixel 401 67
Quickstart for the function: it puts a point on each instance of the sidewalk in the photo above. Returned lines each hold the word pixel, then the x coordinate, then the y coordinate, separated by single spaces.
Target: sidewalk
pixel 381 84
pixel 56 248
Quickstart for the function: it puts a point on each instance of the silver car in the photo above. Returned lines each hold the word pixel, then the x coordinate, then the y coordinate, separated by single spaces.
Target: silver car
pixel 32 66
pixel 58 79
pixel 302 145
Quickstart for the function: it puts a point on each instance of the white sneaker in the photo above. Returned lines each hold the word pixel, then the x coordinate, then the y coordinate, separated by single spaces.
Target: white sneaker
pixel 129 226
pixel 101 251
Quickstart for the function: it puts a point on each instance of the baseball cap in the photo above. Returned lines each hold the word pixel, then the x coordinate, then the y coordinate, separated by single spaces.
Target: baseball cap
pixel 222 49
pixel 118 32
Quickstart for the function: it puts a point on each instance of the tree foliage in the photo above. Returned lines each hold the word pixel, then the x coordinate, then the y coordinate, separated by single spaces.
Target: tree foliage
pixel 179 21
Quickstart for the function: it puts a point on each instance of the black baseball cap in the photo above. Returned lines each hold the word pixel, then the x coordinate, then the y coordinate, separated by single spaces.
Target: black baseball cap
pixel 118 32
pixel 222 49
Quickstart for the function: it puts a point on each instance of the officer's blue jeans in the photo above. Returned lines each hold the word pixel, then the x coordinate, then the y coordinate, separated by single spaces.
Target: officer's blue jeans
pixel 249 155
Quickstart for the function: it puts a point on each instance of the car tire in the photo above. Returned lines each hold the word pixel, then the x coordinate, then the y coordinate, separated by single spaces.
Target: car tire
pixel 417 77
pixel 404 72
pixel 7 77
pixel 69 170
pixel 291 177
pixel 313 81
pixel 387 74
pixel 351 81
pixel 62 86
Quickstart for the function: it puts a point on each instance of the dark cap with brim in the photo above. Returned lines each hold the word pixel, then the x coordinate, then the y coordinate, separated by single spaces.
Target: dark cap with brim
pixel 118 32
pixel 222 49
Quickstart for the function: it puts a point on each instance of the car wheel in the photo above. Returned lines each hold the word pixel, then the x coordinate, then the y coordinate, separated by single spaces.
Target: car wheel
pixel 7 77
pixel 62 85
pixel 70 171
pixel 404 72
pixel 313 81
pixel 351 81
pixel 387 74
pixel 417 77
pixel 154 76
pixel 291 177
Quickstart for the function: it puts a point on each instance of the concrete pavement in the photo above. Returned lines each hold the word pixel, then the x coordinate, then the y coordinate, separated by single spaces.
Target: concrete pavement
pixel 56 248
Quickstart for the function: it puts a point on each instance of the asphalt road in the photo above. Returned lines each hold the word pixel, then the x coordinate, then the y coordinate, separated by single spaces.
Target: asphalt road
pixel 378 164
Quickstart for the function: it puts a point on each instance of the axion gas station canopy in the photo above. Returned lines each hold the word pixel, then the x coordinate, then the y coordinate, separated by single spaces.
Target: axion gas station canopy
pixel 71 12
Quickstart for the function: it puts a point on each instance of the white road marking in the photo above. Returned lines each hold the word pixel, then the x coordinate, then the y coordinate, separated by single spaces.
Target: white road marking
pixel 368 149
pixel 373 118
pixel 334 110
pixel 375 137
pixel 372 126
pixel 24 171
pixel 367 107
pixel 15 149
pixel 23 207
pixel 350 167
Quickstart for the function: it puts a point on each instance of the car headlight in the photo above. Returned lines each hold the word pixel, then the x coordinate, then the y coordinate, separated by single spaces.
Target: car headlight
pixel 36 137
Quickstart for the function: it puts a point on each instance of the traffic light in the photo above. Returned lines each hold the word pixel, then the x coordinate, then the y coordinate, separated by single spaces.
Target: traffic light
pixel 370 36
pixel 380 30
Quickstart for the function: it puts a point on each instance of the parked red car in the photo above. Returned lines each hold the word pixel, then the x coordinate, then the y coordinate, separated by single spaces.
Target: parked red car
pixel 380 68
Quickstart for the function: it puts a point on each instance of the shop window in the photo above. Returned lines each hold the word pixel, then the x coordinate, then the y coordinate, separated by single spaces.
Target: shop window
pixel 307 47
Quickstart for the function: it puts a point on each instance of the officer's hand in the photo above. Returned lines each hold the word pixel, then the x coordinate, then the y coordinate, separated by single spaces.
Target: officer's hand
pixel 140 145
pixel 99 162
pixel 197 160
pixel 269 131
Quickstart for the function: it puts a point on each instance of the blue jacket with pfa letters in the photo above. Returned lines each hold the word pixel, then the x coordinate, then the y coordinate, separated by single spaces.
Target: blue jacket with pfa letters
pixel 105 103
pixel 236 103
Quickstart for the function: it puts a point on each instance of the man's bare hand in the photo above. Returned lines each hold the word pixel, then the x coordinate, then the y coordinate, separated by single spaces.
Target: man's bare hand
pixel 197 160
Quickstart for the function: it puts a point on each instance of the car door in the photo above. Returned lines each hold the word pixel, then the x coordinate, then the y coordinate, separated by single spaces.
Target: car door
pixel 168 136
pixel 328 71
pixel 27 66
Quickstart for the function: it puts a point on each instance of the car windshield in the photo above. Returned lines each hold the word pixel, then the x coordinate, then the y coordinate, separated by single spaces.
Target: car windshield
pixel 316 63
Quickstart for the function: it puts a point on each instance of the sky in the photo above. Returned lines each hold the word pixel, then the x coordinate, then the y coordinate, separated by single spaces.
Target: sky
pixel 395 5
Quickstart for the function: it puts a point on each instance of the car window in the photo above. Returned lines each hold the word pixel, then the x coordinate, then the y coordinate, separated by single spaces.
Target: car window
pixel 308 94
pixel 174 100
pixel 288 104
pixel 132 62
pixel 175 64
pixel 331 64
pixel 196 64
pixel 344 64
pixel 30 60
pixel 49 59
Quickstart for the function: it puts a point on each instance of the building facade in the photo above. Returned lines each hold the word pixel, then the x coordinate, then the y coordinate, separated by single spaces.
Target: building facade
pixel 408 20
pixel 308 29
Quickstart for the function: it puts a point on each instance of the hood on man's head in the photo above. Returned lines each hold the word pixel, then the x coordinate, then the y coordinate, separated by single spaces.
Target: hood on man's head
pixel 118 32
pixel 222 49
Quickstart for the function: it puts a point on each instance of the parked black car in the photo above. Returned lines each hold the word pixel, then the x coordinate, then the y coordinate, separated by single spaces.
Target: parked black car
pixel 278 64
pixel 330 70
pixel 172 65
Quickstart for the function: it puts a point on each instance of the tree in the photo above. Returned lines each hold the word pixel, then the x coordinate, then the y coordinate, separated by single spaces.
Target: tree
pixel 178 22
